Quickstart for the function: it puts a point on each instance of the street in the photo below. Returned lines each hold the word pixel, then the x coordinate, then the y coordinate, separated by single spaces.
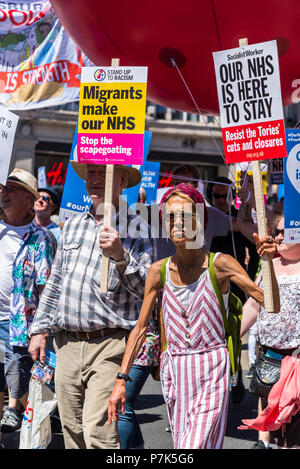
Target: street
pixel 153 419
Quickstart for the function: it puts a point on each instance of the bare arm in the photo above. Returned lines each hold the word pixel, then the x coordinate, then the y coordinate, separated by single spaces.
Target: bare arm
pixel 38 344
pixel 138 334
pixel 250 312
pixel 229 270
pixel 135 341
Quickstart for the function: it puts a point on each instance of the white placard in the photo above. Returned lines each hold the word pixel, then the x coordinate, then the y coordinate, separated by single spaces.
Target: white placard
pixel 249 94
pixel 8 126
pixel 248 84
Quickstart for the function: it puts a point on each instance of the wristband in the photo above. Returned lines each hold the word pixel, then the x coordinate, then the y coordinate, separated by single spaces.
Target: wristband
pixel 124 261
pixel 123 376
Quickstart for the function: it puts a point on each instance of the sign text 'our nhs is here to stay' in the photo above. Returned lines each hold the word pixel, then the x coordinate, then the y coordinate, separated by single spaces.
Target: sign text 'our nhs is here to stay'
pixel 250 102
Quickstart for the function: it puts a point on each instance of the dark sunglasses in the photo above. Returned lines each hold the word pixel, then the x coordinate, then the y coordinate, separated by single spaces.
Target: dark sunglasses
pixel 46 198
pixel 278 232
pixel 220 196
pixel 186 216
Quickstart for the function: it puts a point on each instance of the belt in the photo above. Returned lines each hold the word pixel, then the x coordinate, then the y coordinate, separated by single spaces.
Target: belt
pixel 93 334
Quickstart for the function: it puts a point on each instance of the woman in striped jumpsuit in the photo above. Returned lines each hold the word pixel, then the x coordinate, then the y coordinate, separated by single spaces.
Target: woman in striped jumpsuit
pixel 195 368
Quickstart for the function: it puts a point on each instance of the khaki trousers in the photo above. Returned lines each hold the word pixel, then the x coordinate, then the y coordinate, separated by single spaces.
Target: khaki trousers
pixel 84 378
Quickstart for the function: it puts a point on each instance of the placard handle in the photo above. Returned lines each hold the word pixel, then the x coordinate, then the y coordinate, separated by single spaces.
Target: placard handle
pixel 107 217
pixel 262 225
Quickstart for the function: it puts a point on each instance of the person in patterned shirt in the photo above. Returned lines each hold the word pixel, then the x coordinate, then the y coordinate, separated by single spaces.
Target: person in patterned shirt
pixel 278 335
pixel 26 255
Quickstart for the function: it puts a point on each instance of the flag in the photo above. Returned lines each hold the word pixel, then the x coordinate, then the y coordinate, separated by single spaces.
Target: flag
pixel 40 65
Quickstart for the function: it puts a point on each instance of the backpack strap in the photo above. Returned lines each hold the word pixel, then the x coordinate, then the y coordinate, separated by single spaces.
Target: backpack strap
pixel 161 328
pixel 163 271
pixel 216 286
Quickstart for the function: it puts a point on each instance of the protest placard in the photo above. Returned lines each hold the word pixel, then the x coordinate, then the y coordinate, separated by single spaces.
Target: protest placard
pixel 292 187
pixel 249 94
pixel 75 199
pixel 111 119
pixel 42 176
pixel 240 177
pixel 276 171
pixel 8 126
pixel 250 103
pixel 150 177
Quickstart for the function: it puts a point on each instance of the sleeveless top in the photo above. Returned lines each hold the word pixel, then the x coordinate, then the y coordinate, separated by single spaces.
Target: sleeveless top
pixel 192 315
pixel 184 293
pixel 282 330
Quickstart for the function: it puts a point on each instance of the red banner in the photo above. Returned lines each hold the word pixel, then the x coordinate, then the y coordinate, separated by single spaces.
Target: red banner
pixel 261 141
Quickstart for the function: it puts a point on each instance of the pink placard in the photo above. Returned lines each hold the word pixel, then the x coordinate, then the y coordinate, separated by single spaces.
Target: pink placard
pixel 110 148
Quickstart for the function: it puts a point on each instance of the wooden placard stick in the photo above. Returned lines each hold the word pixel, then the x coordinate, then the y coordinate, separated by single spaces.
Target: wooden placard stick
pixel 109 180
pixel 262 225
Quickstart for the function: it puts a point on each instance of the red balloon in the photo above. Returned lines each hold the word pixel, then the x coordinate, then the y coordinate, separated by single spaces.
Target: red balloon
pixel 142 33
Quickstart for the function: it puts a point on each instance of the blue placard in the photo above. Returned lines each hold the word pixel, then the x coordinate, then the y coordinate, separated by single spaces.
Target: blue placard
pixel 50 358
pixel 150 179
pixel 75 199
pixel 280 192
pixel 277 178
pixel 42 178
pixel 292 187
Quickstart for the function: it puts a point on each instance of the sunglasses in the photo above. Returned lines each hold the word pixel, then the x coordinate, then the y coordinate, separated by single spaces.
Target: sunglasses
pixel 46 198
pixel 278 232
pixel 186 216
pixel 220 196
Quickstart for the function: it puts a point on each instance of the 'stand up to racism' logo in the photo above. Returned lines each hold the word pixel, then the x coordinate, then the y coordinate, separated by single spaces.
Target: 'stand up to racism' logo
pixel 100 74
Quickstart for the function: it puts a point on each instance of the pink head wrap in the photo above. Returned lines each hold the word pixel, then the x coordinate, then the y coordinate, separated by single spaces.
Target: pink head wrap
pixel 191 192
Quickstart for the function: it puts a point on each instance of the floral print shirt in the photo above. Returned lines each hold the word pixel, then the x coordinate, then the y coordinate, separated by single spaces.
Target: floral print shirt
pixel 282 330
pixel 31 268
pixel 149 352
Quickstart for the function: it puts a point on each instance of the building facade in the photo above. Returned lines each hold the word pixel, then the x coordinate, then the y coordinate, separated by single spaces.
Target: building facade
pixel 44 138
